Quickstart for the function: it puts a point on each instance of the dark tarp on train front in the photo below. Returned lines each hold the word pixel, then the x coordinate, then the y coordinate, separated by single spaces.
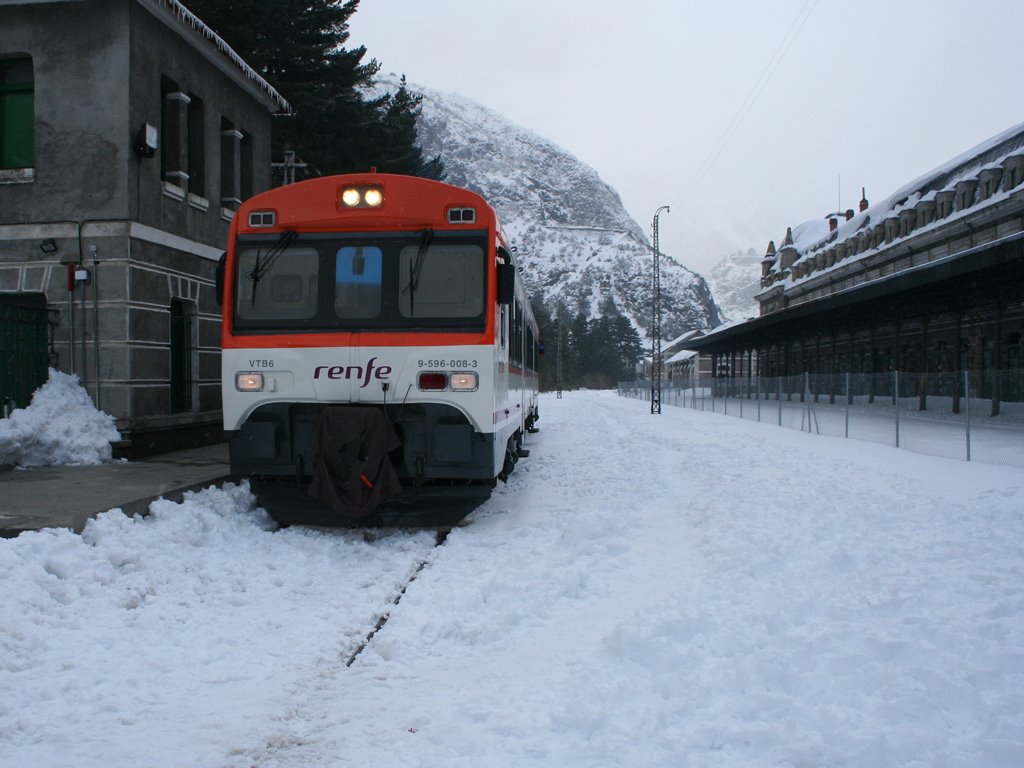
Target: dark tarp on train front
pixel 352 473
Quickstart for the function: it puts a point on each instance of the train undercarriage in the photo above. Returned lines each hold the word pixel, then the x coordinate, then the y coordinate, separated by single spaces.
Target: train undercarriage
pixel 411 465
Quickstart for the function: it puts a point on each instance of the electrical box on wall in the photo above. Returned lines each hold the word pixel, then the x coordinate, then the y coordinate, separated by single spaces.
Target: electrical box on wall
pixel 147 141
pixel 77 275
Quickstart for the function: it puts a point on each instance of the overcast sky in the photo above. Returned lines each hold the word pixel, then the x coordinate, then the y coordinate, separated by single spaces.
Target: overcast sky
pixel 745 117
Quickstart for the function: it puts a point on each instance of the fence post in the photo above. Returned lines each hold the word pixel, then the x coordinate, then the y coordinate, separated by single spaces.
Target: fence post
pixel 780 400
pixel 849 398
pixel 807 398
pixel 896 402
pixel 967 410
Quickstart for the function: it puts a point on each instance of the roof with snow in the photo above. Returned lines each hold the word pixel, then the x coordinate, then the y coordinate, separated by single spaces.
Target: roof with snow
pixel 982 176
pixel 953 234
pixel 216 50
pixel 678 357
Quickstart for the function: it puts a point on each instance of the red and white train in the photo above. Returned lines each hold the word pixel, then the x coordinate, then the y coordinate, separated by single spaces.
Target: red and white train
pixel 379 350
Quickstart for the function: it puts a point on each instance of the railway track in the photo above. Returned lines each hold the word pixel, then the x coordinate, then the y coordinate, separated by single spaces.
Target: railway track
pixel 295 738
pixel 382 620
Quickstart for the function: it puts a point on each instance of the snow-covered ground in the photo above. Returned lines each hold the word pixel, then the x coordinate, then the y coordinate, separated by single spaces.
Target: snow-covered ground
pixel 673 590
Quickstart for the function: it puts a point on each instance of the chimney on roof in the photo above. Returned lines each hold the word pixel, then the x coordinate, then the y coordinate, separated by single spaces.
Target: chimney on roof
pixel 768 260
pixel 789 237
pixel 832 223
pixel 849 213
pixel 863 200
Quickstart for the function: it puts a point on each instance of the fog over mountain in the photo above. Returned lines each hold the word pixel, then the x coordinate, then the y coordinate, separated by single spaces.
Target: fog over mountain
pixel 734 282
pixel 575 242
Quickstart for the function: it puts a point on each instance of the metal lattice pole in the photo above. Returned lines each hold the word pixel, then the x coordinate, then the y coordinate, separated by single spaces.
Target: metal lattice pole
pixel 656 330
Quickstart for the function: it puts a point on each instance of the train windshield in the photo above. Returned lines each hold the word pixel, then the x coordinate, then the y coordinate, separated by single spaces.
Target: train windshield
pixel 329 282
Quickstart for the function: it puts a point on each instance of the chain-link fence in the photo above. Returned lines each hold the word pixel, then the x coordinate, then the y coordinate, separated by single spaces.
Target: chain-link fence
pixel 970 415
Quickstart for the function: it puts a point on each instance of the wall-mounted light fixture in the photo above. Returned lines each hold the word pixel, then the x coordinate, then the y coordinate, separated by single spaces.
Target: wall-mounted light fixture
pixel 147 140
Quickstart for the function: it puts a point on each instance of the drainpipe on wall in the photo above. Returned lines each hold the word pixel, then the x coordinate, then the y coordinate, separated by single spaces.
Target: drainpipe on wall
pixel 71 315
pixel 86 278
pixel 96 319
pixel 85 360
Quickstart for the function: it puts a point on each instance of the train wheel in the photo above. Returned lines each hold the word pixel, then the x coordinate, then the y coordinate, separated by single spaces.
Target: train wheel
pixel 510 460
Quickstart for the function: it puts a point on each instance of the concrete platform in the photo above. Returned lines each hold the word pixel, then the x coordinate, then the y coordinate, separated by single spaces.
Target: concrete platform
pixel 68 497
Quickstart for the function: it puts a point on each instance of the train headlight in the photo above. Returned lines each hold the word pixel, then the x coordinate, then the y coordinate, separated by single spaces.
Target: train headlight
pixel 249 382
pixel 373 197
pixel 350 197
pixel 370 196
pixel 464 381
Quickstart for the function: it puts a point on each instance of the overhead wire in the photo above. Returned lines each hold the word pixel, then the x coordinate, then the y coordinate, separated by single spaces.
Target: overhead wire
pixel 744 109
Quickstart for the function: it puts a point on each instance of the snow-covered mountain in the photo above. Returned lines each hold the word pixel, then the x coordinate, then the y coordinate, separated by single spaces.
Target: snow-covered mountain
pixel 575 242
pixel 734 281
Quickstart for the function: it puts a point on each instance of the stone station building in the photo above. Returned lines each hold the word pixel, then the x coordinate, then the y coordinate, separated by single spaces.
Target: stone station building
pixel 129 135
pixel 929 282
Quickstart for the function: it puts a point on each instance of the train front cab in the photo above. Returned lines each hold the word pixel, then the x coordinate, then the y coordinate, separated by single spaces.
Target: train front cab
pixel 319 315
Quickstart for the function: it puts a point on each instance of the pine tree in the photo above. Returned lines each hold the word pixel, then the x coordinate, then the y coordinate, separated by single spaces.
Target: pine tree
pixel 401 111
pixel 298 47
pixel 597 353
pixel 628 347
pixel 547 335
pixel 575 359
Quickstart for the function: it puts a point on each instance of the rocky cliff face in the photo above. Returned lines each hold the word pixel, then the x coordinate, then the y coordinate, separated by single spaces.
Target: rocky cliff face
pixel 575 242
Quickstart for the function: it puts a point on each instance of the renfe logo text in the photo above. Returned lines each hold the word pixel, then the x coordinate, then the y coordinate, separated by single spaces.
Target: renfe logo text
pixel 356 372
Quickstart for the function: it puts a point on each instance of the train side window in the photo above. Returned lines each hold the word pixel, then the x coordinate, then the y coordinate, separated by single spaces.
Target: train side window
pixel 517 333
pixel 358 276
pixel 520 332
pixel 512 332
pixel 520 341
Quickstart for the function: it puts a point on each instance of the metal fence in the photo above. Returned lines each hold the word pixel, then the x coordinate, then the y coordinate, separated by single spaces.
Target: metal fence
pixel 972 415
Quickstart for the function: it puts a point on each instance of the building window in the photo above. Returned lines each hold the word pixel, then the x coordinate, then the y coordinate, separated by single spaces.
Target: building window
pixel 196 147
pixel 230 165
pixel 174 125
pixel 183 355
pixel 245 172
pixel 17 113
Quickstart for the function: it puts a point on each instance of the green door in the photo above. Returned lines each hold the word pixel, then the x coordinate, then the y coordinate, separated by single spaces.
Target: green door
pixel 23 348
pixel 181 356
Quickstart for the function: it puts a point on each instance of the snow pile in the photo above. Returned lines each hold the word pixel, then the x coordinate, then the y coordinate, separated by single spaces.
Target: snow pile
pixel 60 426
pixel 646 591
pixel 152 641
